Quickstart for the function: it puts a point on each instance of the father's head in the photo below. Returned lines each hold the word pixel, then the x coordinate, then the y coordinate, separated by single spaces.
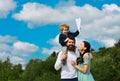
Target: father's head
pixel 71 43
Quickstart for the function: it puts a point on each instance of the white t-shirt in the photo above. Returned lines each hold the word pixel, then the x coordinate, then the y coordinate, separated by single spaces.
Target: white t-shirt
pixel 67 70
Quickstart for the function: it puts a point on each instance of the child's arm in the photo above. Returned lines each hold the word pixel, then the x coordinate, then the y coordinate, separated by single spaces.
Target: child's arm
pixel 74 34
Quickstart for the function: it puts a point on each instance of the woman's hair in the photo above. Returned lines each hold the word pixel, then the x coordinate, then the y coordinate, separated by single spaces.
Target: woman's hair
pixel 63 26
pixel 87 45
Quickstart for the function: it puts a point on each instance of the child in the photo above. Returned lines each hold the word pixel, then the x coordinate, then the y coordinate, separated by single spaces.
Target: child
pixel 65 34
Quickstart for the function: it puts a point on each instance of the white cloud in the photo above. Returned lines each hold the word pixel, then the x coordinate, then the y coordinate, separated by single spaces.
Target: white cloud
pixel 109 42
pixel 54 41
pixel 24 48
pixel 4 47
pixel 96 24
pixel 16 50
pixel 4 55
pixel 40 14
pixel 56 46
pixel 111 8
pixel 99 25
pixel 7 39
pixel 6 6
pixel 49 51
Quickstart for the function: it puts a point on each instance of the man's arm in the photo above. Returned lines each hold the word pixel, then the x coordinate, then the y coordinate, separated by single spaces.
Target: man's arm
pixel 58 63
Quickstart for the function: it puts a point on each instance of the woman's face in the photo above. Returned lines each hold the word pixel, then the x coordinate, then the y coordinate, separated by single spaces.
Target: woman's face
pixel 65 31
pixel 81 47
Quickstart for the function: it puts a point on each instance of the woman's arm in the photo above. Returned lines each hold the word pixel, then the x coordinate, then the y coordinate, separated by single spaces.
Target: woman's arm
pixel 85 67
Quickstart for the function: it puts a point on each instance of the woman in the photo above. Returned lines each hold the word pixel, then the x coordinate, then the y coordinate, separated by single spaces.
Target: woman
pixel 83 66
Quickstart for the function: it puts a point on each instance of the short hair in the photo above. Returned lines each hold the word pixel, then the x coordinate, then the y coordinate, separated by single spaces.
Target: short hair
pixel 71 37
pixel 63 26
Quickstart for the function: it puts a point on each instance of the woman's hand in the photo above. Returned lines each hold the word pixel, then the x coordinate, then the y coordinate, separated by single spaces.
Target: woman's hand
pixel 73 63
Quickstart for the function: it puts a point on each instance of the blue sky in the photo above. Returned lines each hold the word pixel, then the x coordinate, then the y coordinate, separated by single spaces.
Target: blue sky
pixel 29 28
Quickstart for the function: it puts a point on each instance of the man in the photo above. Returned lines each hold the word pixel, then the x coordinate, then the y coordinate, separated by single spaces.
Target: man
pixel 68 72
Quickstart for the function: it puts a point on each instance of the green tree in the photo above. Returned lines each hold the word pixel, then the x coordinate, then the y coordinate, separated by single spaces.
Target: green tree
pixel 33 70
pixel 6 70
pixel 48 72
pixel 117 44
pixel 105 64
pixel 16 72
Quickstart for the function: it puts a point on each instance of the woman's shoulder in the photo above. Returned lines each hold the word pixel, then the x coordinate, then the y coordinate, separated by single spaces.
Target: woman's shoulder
pixel 87 56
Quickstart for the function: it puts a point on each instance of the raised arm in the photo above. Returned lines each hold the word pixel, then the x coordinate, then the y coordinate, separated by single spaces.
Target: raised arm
pixel 74 34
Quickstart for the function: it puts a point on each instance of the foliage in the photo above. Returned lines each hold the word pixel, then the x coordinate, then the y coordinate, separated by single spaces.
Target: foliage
pixel 105 64
pixel 104 67
pixel 38 70
pixel 117 44
pixel 9 72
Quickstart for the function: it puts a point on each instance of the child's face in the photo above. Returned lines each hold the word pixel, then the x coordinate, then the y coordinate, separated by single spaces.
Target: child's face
pixel 65 31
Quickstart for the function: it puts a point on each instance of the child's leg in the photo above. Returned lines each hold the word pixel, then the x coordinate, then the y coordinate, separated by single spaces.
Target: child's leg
pixel 64 50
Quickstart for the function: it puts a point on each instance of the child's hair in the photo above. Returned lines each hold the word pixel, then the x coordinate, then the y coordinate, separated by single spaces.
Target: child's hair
pixel 63 26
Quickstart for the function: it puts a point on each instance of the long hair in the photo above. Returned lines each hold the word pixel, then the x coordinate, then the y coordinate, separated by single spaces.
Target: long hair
pixel 87 50
pixel 87 45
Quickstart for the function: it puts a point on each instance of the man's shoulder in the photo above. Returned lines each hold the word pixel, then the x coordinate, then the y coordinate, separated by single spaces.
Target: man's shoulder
pixel 59 53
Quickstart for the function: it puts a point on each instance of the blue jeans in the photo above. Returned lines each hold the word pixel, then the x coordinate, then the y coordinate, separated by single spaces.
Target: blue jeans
pixel 74 79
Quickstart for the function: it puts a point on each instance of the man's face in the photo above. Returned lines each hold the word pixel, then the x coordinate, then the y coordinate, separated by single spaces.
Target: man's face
pixel 70 44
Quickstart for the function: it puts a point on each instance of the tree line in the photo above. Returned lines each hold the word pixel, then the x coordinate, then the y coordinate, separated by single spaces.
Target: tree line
pixel 104 67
